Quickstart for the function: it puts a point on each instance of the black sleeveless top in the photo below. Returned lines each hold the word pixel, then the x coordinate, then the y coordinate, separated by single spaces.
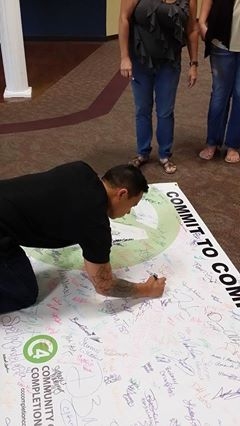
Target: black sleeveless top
pixel 219 23
pixel 158 31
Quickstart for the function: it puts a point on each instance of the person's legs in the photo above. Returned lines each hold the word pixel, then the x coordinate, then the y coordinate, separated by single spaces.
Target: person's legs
pixel 165 86
pixel 142 87
pixel 232 141
pixel 18 284
pixel 222 67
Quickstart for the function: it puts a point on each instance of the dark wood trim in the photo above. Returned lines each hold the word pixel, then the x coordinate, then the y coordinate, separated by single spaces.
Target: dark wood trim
pixel 88 39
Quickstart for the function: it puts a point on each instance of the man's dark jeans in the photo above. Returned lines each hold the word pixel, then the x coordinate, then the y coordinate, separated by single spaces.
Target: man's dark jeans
pixel 18 284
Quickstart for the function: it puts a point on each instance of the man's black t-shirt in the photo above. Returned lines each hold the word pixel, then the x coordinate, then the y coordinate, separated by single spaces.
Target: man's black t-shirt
pixel 60 207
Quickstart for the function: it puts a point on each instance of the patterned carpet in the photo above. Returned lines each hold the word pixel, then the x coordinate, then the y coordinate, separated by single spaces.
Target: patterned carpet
pixel 86 112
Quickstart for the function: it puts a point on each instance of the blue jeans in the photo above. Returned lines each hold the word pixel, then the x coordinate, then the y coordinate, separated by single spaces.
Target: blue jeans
pixel 224 106
pixel 162 82
pixel 18 284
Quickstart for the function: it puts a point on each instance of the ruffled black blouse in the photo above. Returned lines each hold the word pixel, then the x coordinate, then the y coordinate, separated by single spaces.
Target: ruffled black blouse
pixel 158 31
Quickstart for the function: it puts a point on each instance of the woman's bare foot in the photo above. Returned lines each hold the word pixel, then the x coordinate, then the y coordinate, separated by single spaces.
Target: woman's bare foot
pixel 232 156
pixel 208 152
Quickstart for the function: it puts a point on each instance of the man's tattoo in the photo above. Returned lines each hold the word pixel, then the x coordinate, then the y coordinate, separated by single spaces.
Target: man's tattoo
pixel 115 287
pixel 122 288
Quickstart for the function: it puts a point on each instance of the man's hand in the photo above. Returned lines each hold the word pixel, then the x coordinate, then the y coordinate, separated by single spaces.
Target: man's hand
pixel 155 286
pixel 106 284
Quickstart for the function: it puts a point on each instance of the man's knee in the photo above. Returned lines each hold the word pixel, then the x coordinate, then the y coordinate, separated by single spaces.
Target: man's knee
pixel 10 304
pixel 31 298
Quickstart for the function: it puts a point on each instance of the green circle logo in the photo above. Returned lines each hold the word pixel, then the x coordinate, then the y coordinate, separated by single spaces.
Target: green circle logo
pixel 134 240
pixel 40 349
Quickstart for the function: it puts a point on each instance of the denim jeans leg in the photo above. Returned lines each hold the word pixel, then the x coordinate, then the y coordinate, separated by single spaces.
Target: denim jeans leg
pixel 233 127
pixel 165 86
pixel 222 68
pixel 142 87
pixel 18 284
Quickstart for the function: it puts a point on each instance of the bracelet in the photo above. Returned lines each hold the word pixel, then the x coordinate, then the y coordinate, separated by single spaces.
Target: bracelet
pixel 192 63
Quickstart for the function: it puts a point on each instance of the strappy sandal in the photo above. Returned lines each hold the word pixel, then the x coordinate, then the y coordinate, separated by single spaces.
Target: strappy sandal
pixel 139 160
pixel 169 166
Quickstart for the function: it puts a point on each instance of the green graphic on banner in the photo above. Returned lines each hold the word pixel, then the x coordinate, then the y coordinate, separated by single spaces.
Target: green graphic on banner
pixel 40 349
pixel 126 252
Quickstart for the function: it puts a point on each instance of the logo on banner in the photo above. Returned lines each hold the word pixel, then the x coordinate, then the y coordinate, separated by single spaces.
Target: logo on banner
pixel 40 349
pixel 150 229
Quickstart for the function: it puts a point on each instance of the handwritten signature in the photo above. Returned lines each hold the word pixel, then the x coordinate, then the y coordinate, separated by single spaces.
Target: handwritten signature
pixel 68 413
pixel 180 363
pixel 228 394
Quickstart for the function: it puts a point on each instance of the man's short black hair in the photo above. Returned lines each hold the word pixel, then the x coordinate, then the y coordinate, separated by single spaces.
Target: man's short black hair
pixel 127 176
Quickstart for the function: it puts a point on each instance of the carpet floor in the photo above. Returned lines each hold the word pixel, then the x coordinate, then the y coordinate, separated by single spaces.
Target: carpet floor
pixel 82 109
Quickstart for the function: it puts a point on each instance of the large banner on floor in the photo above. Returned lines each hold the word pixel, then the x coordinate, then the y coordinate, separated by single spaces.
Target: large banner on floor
pixel 77 358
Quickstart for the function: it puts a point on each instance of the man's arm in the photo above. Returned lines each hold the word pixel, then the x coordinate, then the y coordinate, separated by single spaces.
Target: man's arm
pixel 106 284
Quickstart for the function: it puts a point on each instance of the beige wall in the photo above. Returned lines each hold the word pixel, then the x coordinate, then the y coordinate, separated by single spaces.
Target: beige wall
pixel 113 7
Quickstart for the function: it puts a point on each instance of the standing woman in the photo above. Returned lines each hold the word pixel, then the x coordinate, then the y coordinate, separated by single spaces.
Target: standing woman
pixel 219 23
pixel 152 34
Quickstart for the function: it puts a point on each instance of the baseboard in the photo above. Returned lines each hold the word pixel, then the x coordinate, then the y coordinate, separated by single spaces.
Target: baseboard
pixel 68 38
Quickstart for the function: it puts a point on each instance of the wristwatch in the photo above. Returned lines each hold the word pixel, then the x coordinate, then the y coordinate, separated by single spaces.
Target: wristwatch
pixel 192 63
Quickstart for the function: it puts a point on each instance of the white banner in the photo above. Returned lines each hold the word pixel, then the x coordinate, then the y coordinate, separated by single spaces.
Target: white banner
pixel 77 358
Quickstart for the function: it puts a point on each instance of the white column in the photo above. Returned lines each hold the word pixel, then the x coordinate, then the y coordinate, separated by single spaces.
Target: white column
pixel 12 47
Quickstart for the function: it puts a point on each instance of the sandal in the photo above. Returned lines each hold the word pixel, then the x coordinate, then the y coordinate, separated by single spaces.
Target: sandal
pixel 232 156
pixel 139 160
pixel 208 152
pixel 169 166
